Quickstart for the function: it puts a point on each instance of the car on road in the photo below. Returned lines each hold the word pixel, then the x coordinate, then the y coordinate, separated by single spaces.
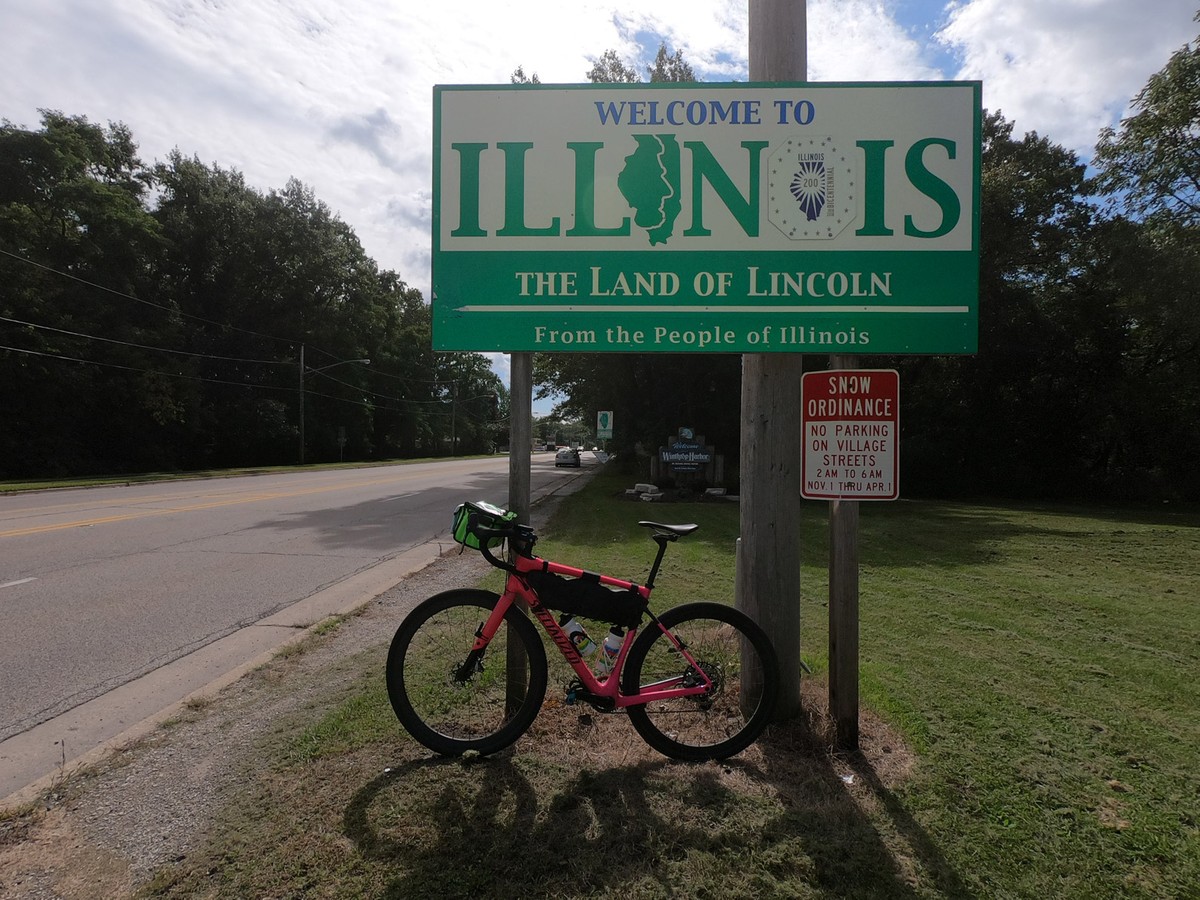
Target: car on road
pixel 566 457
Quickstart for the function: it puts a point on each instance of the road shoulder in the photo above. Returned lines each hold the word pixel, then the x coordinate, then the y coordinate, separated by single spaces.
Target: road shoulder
pixel 103 829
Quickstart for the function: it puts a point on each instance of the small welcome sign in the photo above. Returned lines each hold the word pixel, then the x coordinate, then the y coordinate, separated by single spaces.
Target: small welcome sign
pixel 685 453
pixel 687 459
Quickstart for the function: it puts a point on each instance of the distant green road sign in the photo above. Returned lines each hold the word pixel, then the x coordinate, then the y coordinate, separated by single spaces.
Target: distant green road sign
pixel 707 218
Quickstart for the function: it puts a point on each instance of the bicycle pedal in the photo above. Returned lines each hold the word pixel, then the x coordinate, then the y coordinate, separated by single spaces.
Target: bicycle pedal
pixel 572 689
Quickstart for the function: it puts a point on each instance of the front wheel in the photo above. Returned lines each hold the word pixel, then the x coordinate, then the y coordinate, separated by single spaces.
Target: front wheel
pixel 451 701
pixel 733 652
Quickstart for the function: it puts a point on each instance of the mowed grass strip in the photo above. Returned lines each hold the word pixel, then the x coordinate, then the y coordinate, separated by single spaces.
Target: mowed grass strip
pixel 1041 664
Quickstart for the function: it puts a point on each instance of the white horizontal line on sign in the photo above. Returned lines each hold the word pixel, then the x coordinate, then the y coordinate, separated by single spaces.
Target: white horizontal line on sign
pixel 546 307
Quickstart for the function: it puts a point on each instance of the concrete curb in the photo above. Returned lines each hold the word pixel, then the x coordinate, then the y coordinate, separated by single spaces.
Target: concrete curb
pixel 87 734
pixel 84 736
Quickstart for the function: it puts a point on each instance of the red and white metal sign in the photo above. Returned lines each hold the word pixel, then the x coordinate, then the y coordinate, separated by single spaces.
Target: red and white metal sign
pixel 850 421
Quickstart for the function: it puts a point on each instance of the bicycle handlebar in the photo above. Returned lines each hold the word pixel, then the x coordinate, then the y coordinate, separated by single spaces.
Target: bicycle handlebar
pixel 521 539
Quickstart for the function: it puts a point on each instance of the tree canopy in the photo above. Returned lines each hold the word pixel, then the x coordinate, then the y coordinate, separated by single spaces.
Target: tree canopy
pixel 152 318
pixel 1151 163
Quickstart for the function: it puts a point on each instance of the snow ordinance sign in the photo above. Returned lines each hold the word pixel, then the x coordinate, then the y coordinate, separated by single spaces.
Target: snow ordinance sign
pixel 850 422
pixel 712 218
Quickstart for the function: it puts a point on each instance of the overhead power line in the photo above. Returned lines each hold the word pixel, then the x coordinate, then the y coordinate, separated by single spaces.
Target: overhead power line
pixel 169 309
pixel 93 337
pixel 242 384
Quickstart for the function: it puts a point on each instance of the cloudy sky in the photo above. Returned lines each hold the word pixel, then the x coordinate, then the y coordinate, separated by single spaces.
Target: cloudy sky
pixel 337 93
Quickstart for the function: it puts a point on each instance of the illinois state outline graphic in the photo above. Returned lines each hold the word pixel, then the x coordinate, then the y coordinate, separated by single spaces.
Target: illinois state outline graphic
pixel 649 182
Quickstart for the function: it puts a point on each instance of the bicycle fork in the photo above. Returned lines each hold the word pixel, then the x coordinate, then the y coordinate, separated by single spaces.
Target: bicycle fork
pixel 473 664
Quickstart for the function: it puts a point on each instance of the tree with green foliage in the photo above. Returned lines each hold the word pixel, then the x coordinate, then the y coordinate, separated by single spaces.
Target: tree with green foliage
pixel 609 68
pixel 79 301
pixel 1150 258
pixel 994 422
pixel 137 337
pixel 1087 380
pixel 1151 164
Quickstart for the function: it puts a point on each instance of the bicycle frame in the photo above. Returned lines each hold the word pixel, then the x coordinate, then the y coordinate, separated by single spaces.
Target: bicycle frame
pixel 610 687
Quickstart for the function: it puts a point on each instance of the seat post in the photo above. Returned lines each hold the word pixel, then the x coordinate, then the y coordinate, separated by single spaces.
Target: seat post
pixel 661 540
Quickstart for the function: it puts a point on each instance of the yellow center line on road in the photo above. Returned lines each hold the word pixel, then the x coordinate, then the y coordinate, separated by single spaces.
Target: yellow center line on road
pixel 186 491
pixel 196 507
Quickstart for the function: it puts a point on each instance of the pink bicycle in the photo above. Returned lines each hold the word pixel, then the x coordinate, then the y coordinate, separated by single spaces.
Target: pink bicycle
pixel 466 670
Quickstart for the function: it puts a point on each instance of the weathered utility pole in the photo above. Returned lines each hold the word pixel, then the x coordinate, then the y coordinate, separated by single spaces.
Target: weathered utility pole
pixel 768 566
pixel 520 442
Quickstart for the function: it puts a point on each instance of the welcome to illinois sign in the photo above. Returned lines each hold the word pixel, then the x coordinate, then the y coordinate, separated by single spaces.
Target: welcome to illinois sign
pixel 707 217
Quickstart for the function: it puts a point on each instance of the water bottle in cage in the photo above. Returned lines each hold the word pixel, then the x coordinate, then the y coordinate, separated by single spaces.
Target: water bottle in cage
pixel 610 650
pixel 584 644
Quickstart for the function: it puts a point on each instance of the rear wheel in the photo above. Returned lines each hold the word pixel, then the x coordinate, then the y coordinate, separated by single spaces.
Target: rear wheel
pixel 733 652
pixel 450 702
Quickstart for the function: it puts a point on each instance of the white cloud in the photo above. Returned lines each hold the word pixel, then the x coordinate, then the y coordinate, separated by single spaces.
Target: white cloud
pixel 859 40
pixel 338 93
pixel 1066 68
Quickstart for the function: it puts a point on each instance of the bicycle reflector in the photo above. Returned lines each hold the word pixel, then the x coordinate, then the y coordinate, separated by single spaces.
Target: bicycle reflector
pixel 468 516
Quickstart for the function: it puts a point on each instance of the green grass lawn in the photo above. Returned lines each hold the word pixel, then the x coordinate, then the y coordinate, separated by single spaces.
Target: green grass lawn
pixel 1040 663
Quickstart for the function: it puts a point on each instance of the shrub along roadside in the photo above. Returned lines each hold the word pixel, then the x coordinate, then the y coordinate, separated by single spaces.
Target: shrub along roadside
pixel 1042 664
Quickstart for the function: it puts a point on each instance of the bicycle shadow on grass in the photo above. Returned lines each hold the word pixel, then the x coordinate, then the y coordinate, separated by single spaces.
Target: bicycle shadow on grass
pixel 778 823
pixel 454 829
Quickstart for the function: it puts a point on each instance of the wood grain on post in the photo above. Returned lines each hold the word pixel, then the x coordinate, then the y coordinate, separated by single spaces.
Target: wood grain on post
pixel 768 571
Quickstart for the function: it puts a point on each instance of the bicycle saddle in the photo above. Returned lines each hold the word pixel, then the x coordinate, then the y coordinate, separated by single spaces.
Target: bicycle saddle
pixel 677 530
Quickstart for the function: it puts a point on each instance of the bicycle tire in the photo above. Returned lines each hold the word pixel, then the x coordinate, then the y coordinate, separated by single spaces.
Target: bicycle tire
pixel 452 715
pixel 713 725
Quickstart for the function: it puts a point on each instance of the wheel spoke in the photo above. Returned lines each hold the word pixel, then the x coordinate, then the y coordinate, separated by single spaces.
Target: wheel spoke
pixel 724 719
pixel 451 702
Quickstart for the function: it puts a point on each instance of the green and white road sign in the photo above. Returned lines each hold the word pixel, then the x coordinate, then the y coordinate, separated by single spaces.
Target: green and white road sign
pixel 604 425
pixel 714 218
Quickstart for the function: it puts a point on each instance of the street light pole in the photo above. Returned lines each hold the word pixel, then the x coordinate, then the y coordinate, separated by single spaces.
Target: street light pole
pixel 303 369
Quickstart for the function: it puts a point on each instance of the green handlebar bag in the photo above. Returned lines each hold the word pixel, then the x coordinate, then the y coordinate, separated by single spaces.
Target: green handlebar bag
pixel 480 515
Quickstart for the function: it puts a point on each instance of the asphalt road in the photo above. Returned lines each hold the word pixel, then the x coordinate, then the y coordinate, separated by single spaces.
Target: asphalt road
pixel 135 595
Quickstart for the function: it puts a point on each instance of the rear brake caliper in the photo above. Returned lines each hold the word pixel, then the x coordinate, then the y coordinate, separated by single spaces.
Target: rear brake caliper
pixel 694 678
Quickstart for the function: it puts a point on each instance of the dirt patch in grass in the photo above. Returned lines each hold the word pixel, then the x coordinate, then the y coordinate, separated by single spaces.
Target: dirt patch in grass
pixel 575 736
pixel 47 855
